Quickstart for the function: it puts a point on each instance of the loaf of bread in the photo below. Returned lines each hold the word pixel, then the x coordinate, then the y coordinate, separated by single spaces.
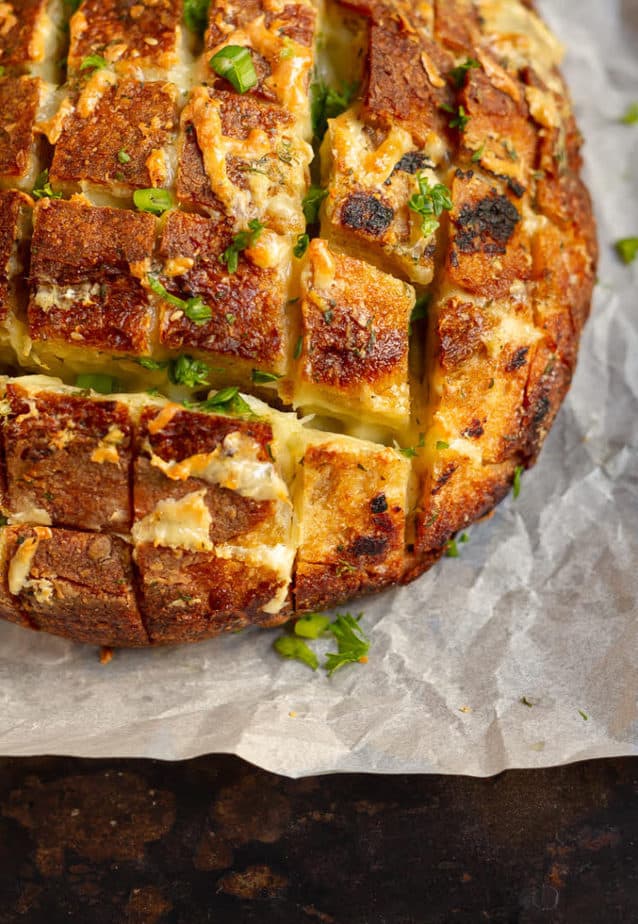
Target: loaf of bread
pixel 290 293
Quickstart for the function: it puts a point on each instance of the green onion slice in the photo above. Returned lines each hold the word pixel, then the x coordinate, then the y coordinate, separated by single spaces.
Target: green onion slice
pixel 235 64
pixel 156 201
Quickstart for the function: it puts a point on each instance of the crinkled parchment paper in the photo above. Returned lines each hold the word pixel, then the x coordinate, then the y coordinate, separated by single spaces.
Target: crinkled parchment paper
pixel 541 604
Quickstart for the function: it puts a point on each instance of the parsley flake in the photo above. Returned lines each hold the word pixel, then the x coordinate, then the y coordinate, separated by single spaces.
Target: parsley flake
pixel 123 157
pixel 352 644
pixel 430 202
pixel 196 15
pixel 583 715
pixel 452 549
pixel 457 74
pixel 93 62
pixel 459 119
pixel 185 370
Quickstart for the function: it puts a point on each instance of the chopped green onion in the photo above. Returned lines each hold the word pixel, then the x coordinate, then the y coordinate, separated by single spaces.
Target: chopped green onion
pixel 43 189
pixel 627 249
pixel 194 308
pixel 185 370
pixel 518 472
pixel 459 119
pixel 303 242
pixel 155 201
pixel 96 62
pixel 631 115
pixel 312 202
pixel 442 445
pixel 451 549
pixel 147 363
pixel 288 646
pixel 123 157
pixel 235 64
pixel 196 15
pixel 227 400
pixel 583 715
pixel 312 625
pixel 241 241
pixel 298 348
pixel 104 384
pixel 261 378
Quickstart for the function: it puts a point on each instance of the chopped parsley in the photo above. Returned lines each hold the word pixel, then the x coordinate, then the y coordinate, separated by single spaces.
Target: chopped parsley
pixel 312 625
pixel 352 644
pixel 185 370
pixel 518 472
pixel 194 308
pixel 43 189
pixel 627 249
pixel 227 400
pixel 298 348
pixel 123 157
pixel 303 242
pixel 235 64
pixel 148 363
pixel 196 15
pixel 457 74
pixel 263 378
pixel 583 715
pixel 327 103
pixel 93 62
pixel 525 702
pixel 312 202
pixel 293 647
pixel 430 202
pixel 459 119
pixel 241 241
pixel 631 115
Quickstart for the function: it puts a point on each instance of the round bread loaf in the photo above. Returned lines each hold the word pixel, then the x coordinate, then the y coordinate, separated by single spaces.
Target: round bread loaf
pixel 290 292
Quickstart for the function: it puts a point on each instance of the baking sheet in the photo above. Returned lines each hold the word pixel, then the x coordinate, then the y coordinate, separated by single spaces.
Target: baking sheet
pixel 542 603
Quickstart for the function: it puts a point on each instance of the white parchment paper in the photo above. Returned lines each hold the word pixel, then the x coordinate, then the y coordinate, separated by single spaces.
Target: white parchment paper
pixel 542 604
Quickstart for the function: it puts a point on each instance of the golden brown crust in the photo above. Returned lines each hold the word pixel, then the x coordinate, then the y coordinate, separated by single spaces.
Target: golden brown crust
pixel 135 520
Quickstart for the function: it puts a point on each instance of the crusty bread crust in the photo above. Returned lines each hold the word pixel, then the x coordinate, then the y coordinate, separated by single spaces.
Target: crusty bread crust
pixel 135 519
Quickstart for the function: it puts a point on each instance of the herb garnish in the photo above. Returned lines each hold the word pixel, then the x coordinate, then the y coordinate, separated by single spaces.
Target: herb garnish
pixel 95 62
pixel 518 472
pixel 235 64
pixel 194 308
pixel 241 241
pixel 227 400
pixel 290 646
pixel 196 15
pixel 263 378
pixel 312 202
pixel 419 311
pixel 459 119
pixel 185 370
pixel 103 384
pixel 327 103
pixel 352 644
pixel 123 157
pixel 155 201
pixel 312 625
pixel 43 189
pixel 452 549
pixel 303 242
pixel 631 115
pixel 627 249
pixel 583 715
pixel 457 74
pixel 430 202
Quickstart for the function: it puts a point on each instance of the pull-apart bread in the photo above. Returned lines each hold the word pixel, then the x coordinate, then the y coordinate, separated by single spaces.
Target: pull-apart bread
pixel 289 294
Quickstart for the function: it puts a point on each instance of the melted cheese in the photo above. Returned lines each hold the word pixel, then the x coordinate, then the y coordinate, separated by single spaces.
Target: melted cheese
pixel 22 560
pixel 30 516
pixel 279 558
pixel 233 465
pixel 177 524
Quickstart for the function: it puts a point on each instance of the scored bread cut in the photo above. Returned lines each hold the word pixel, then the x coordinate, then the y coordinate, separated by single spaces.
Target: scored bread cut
pixel 269 342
